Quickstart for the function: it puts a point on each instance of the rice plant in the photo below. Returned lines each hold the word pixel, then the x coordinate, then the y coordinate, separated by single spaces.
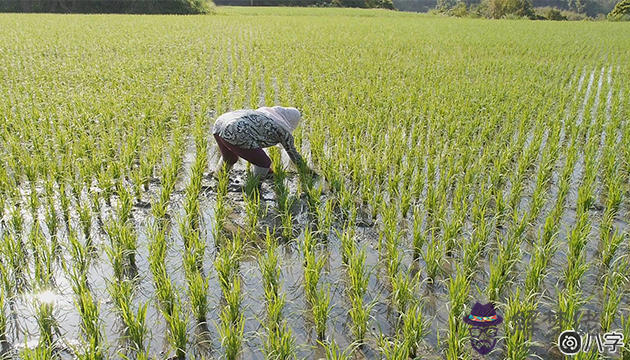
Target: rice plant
pixel 519 319
pixel 321 311
pixel 333 352
pixel 136 331
pixel 4 321
pixel 279 344
pixel 393 349
pixel 222 209
pixel 473 173
pixel 177 329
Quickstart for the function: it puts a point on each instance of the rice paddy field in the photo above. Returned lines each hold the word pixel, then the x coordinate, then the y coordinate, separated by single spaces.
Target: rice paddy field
pixel 459 160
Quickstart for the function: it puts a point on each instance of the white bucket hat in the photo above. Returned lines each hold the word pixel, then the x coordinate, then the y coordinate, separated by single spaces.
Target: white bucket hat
pixel 287 117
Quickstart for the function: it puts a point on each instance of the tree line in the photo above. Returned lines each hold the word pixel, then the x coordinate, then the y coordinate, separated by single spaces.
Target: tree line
pixel 551 9
pixel 589 8
pixel 108 6
pixel 385 4
pixel 168 6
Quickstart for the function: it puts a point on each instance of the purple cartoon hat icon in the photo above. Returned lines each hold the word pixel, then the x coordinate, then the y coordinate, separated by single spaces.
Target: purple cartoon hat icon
pixel 483 316
pixel 483 332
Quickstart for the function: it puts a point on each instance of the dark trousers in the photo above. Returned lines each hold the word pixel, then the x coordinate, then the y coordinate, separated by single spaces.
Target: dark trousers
pixel 231 153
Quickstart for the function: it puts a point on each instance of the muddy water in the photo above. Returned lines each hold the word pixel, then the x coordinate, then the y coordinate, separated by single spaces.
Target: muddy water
pixel 204 341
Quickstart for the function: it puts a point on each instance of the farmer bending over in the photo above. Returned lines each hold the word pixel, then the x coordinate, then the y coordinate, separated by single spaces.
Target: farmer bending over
pixel 243 133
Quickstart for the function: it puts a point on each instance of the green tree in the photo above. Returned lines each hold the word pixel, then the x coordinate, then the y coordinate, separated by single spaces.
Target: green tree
pixel 621 11
pixel 445 5
pixel 500 8
pixel 555 15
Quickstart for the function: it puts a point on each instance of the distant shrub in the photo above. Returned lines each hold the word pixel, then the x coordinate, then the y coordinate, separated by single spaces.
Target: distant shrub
pixel 552 13
pixel 445 5
pixel 573 16
pixel 514 17
pixel 459 10
pixel 621 12
pixel 436 12
pixel 618 17
pixel 516 9
pixel 478 10
pixel 383 4
pixel 555 15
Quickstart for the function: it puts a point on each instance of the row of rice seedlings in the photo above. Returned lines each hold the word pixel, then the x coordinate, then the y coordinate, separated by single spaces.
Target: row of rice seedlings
pixel 15 275
pixel 612 193
pixel 92 337
pixel 418 235
pixel 509 245
pixel 144 171
pixel 434 256
pixel 64 200
pixel 197 281
pixel 222 207
pixel 169 301
pixel 389 242
pixel 357 283
pixel 279 342
pixel 232 322
pixel 193 189
pixel 570 298
pixel 318 298
pixel 458 290
pixel 194 244
pixel 284 200
pixel 612 295
pixel 347 239
pixel 253 212
pixel 614 278
pixel 452 228
pixel 625 138
pixel 410 325
pixel 521 304
pixel 50 217
pixel 482 228
pixel 123 237
pixel 324 218
pixel 4 322
pixel 501 267
pixel 168 298
pixel 136 331
pixel 169 175
pixel 7 301
pixel 43 282
pixel 121 251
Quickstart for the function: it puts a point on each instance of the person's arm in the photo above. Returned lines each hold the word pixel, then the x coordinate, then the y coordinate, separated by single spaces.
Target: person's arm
pixel 289 146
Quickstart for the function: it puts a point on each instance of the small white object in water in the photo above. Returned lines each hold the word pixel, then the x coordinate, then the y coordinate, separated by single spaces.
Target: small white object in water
pixel 48 297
